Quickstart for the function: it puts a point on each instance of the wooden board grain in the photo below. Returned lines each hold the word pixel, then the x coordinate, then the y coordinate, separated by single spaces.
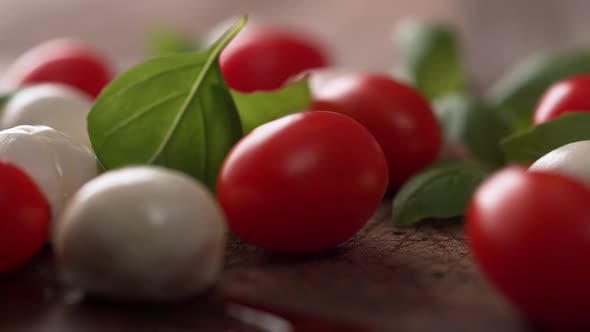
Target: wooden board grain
pixel 384 279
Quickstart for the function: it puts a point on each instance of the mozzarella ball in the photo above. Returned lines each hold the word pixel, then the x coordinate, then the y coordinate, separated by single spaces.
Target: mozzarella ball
pixel 141 233
pixel 572 160
pixel 53 105
pixel 57 163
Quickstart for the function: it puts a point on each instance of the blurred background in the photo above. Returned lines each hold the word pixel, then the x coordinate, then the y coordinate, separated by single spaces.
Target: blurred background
pixel 495 34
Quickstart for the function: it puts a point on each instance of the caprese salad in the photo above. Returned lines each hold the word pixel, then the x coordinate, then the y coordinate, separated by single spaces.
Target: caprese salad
pixel 136 177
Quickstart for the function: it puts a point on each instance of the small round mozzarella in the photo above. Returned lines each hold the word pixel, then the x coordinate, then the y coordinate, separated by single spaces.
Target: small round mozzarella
pixel 141 233
pixel 57 163
pixel 572 160
pixel 53 105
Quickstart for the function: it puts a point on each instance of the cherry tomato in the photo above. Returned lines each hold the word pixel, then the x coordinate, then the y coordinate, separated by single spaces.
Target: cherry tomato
pixel 303 183
pixel 25 216
pixel 530 233
pixel 65 61
pixel 397 115
pixel 572 94
pixel 263 58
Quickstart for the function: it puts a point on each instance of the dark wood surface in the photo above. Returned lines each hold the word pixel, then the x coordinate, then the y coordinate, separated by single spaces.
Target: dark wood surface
pixel 385 279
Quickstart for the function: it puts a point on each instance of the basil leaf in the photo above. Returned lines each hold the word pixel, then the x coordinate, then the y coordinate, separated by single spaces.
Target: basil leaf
pixel 4 98
pixel 439 192
pixel 261 107
pixel 468 122
pixel 431 57
pixel 533 143
pixel 518 92
pixel 167 40
pixel 175 111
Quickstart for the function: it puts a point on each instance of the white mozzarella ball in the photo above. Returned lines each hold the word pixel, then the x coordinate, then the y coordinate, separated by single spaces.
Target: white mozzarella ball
pixel 572 160
pixel 141 233
pixel 57 163
pixel 53 105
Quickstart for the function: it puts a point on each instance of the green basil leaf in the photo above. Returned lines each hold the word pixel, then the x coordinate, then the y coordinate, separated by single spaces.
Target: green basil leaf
pixel 166 40
pixel 431 57
pixel 175 111
pixel 261 107
pixel 533 143
pixel 467 122
pixel 4 98
pixel 517 93
pixel 439 192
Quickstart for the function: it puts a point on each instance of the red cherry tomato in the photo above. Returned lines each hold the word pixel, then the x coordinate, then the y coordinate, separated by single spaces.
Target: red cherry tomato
pixel 530 233
pixel 401 119
pixel 263 58
pixel 572 94
pixel 303 183
pixel 25 217
pixel 63 61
